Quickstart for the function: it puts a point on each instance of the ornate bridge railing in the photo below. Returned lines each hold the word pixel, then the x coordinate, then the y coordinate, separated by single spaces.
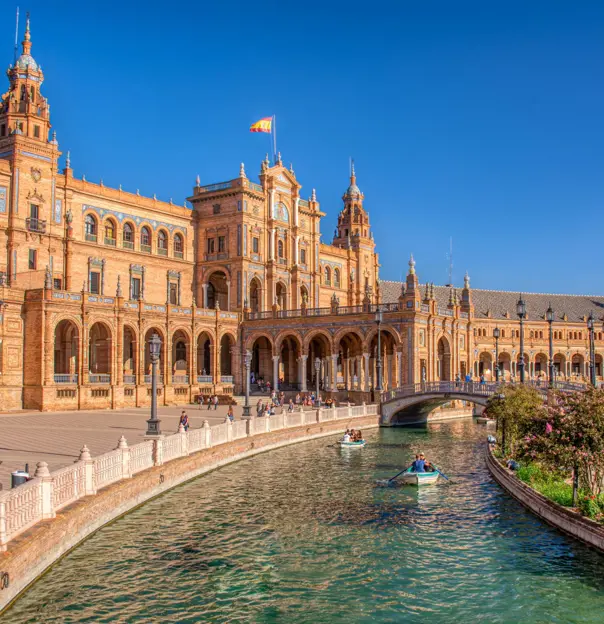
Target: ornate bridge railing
pixel 470 388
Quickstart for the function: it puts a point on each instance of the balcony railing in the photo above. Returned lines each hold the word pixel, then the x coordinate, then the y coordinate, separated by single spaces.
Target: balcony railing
pixel 205 379
pixel 110 241
pixel 178 254
pixel 66 378
pixel 282 260
pixel 160 379
pixel 91 238
pixel 126 244
pixel 146 248
pixel 162 251
pixel 180 379
pixel 129 380
pixel 35 225
pixel 99 379
pixel 226 378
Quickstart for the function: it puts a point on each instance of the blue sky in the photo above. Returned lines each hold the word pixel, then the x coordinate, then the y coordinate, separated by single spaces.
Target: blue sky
pixel 480 121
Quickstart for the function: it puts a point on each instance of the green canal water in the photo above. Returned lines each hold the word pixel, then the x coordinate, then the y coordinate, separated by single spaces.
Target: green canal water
pixel 302 534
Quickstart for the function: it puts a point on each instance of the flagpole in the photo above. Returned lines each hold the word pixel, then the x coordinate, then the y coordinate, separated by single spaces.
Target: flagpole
pixel 274 138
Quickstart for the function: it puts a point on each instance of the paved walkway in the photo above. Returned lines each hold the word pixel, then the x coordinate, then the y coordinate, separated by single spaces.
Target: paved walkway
pixel 57 437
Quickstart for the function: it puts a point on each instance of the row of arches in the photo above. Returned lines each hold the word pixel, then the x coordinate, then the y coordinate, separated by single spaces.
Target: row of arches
pixel 186 360
pixel 133 237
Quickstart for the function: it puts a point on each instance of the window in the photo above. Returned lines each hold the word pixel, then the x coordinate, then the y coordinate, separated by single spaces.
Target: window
pixel 90 228
pixel 95 282
pixel 181 351
pixel 303 256
pixel 34 211
pixel 336 278
pixel 178 246
pixel 57 283
pixel 255 245
pixel 210 245
pixel 221 244
pixel 280 249
pixel 216 208
pixel 146 239
pixel 128 238
pixel 36 132
pixel 110 233
pixel 135 287
pixel 174 294
pixel 327 276
pixel 162 243
pixel 33 259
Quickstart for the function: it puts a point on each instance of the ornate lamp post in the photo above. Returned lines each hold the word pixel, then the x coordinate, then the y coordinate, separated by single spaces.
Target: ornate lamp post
pixel 378 363
pixel 248 363
pixel 549 316
pixel 592 350
pixel 154 351
pixel 496 334
pixel 521 311
pixel 317 371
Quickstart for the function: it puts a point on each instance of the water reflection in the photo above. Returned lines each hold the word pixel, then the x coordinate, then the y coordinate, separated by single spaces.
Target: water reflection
pixel 303 535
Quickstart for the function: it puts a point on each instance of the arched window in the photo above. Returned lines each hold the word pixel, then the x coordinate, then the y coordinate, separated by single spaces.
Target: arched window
pixel 327 276
pixel 181 351
pixel 91 229
pixel 336 278
pixel 146 239
pixel 178 246
pixel 162 243
pixel 128 237
pixel 280 249
pixel 503 333
pixel 109 232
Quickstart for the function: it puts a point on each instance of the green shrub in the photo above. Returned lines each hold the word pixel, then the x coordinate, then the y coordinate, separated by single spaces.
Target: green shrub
pixel 589 506
pixel 559 492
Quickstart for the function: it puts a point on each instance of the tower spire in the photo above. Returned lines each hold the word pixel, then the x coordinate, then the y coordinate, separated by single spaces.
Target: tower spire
pixel 26 43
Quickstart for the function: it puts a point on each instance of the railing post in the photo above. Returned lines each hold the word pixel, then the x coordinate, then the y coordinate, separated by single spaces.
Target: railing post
pixel 158 450
pixel 85 457
pixel 319 415
pixel 123 445
pixel 184 441
pixel 208 433
pixel 46 484
pixel 364 408
pixel 250 426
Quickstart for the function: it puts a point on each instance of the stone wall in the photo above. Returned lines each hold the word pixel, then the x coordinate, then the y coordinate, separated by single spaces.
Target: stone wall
pixel 34 550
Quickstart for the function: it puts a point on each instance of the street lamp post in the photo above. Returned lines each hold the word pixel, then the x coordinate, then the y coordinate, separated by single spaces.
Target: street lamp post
pixel 549 315
pixel 248 363
pixel 592 351
pixel 317 371
pixel 496 334
pixel 153 428
pixel 521 311
pixel 378 363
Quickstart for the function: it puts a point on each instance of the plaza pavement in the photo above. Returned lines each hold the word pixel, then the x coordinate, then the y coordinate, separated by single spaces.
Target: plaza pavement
pixel 57 437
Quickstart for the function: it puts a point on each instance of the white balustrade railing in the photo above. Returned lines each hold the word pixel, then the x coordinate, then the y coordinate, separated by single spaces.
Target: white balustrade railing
pixel 45 494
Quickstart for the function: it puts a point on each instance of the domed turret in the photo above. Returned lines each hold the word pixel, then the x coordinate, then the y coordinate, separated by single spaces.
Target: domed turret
pixel 353 221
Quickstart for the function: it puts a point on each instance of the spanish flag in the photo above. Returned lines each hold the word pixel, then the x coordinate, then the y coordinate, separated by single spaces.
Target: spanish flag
pixel 264 125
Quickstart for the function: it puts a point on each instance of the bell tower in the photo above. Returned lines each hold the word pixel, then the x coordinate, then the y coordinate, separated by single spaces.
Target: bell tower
pixel 353 220
pixel 24 111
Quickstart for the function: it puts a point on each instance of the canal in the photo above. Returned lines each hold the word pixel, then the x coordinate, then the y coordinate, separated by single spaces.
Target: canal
pixel 302 534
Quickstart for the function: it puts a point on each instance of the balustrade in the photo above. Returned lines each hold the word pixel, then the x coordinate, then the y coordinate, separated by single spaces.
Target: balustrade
pixel 66 379
pixel 100 379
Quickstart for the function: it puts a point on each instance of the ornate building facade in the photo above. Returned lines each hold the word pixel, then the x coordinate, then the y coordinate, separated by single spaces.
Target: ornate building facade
pixel 88 273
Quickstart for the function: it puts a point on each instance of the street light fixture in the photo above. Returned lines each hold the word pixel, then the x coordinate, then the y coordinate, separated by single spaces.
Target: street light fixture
pixel 248 363
pixel 521 311
pixel 592 350
pixel 153 428
pixel 549 316
pixel 378 364
pixel 317 370
pixel 496 335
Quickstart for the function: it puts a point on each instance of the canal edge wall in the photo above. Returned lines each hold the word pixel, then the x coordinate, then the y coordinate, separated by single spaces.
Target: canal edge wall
pixel 32 554
pixel 561 518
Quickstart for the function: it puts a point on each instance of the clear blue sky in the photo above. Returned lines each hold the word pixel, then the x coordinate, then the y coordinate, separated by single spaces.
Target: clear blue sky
pixel 477 120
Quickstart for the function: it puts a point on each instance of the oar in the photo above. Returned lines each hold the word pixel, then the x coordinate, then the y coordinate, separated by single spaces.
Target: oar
pixel 399 474
pixel 441 474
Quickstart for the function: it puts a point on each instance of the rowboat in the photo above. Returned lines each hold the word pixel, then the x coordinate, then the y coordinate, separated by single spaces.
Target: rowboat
pixel 357 444
pixel 419 478
pixel 485 421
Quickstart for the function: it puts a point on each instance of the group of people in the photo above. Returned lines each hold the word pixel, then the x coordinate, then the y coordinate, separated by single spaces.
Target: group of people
pixel 421 464
pixel 352 435
pixel 212 401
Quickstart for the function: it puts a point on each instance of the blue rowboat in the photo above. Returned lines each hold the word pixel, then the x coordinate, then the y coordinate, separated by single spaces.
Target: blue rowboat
pixel 419 478
pixel 358 444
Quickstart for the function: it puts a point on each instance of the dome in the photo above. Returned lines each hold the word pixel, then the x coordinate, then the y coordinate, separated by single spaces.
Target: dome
pixel 26 61
pixel 353 190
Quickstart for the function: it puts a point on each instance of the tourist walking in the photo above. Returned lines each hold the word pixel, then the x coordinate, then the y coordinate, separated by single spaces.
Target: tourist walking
pixel 259 408
pixel 210 402
pixel 215 402
pixel 184 420
pixel 200 401
pixel 231 414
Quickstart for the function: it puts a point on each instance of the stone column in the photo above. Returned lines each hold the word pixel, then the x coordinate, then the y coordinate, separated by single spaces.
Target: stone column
pixel 325 369
pixel 302 364
pixel 366 371
pixel 272 250
pixel 360 376
pixel 228 283
pixel 296 248
pixel 399 369
pixel 204 288
pixel 276 372
pixel 334 372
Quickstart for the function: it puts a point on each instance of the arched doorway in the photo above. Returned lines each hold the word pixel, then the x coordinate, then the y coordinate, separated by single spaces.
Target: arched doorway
pixel 303 296
pixel 288 363
pixel 540 366
pixel 505 366
pixel 577 365
pixel 217 291
pixel 160 363
pixel 226 364
pixel 129 367
pixel 99 354
pixel 350 361
pixel 281 296
pixel 318 348
pixel 66 352
pixel 388 359
pixel 443 363
pixel 262 362
pixel 255 295
pixel 204 358
pixel 180 358
pixel 560 366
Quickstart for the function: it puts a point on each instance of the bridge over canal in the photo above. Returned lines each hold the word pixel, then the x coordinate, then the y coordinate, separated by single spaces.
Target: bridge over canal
pixel 411 403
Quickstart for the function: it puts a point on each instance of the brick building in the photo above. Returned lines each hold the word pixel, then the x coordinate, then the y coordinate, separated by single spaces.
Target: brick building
pixel 89 273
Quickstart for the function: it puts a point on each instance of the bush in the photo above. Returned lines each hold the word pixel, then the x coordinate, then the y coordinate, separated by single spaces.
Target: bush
pixel 589 506
pixel 547 482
